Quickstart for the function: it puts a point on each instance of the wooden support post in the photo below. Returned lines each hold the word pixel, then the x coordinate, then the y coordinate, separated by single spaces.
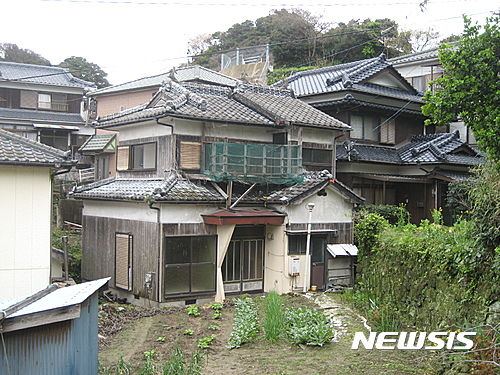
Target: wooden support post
pixel 229 194
pixel 65 248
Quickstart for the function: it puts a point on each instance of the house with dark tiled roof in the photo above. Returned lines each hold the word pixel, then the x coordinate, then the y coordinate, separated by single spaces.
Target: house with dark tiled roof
pixel 387 156
pixel 121 97
pixel 211 196
pixel 26 170
pixel 422 68
pixel 43 103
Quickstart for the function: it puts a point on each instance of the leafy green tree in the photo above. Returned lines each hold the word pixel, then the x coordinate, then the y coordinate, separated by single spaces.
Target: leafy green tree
pixel 469 89
pixel 11 52
pixel 298 38
pixel 86 70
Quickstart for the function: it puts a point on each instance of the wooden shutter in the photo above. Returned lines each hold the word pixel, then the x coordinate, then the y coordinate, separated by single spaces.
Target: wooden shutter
pixel 123 268
pixel 29 99
pixel 388 132
pixel 190 155
pixel 122 158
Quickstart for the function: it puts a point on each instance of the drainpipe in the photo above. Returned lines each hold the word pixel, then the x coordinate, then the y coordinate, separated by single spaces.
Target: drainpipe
pixel 159 271
pixel 310 207
pixel 334 154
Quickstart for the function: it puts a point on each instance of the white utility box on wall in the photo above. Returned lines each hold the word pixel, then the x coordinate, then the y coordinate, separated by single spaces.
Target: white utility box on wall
pixel 294 267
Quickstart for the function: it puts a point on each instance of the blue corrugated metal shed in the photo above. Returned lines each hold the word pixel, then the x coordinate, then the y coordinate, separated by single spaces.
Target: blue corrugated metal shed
pixel 52 335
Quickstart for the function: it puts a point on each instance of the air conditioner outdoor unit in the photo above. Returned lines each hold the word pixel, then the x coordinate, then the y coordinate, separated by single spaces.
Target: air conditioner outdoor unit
pixel 294 267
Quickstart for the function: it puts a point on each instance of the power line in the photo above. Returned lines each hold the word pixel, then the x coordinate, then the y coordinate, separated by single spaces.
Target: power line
pixel 245 4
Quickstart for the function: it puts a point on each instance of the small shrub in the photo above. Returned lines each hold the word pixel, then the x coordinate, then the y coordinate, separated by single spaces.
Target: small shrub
pixel 213 327
pixel 216 306
pixel 217 315
pixel 205 342
pixel 188 332
pixel 393 214
pixel 308 326
pixel 274 321
pixel 193 310
pixel 246 323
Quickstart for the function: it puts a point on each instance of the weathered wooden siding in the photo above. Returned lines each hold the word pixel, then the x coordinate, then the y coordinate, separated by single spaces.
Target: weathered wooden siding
pixel 163 157
pixel 98 258
pixel 195 229
pixel 344 232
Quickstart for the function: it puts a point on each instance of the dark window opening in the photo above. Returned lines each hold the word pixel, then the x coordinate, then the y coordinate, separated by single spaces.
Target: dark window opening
pixel 297 246
pixel 316 156
pixel 189 265
pixel 55 138
pixel 143 156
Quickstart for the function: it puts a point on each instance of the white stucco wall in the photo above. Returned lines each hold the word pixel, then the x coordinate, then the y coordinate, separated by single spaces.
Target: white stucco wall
pixel 143 130
pixel 25 197
pixel 120 210
pixel 332 208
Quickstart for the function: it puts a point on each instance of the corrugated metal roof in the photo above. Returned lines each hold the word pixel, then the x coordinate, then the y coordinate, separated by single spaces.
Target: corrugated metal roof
pixel 40 74
pixel 62 297
pixel 18 150
pixel 343 249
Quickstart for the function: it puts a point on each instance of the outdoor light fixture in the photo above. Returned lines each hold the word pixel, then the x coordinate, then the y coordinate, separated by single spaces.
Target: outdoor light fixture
pixel 310 208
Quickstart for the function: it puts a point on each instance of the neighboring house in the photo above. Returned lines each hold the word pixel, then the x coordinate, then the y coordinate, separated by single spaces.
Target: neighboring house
pixel 118 98
pixel 420 69
pixel 51 332
pixel 387 157
pixel 43 103
pixel 101 148
pixel 210 196
pixel 26 170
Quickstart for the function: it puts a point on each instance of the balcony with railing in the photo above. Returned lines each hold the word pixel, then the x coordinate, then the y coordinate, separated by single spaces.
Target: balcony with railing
pixel 253 163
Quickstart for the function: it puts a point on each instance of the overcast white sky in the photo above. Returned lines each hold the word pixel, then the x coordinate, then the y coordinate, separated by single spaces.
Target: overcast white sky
pixel 130 39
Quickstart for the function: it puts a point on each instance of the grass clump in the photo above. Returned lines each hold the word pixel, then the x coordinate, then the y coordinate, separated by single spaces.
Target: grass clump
pixel 246 323
pixel 274 321
pixel 308 326
pixel 121 367
pixel 178 365
pixel 205 342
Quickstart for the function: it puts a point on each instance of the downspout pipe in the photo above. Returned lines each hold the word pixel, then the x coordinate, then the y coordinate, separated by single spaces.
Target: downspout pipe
pixel 160 234
pixel 334 154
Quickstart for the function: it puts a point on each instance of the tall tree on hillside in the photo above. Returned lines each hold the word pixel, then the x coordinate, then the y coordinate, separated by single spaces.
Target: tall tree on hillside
pixel 298 38
pixel 470 86
pixel 11 52
pixel 86 70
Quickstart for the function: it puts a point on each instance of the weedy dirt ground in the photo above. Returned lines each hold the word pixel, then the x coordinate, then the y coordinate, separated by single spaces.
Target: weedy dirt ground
pixel 135 336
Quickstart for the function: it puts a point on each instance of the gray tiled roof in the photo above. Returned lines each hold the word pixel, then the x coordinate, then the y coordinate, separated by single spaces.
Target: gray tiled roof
pixel 40 116
pixel 176 189
pixel 247 104
pixel 430 54
pixel 349 76
pixel 96 143
pixel 281 106
pixel 313 181
pixel 445 148
pixel 46 75
pixel 17 150
pixel 189 73
pixel 171 189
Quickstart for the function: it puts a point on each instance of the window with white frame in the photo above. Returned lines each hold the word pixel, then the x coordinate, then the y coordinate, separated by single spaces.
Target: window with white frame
pixel 44 101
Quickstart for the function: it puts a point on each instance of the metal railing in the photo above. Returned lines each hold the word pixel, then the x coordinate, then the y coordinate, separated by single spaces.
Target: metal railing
pixel 86 175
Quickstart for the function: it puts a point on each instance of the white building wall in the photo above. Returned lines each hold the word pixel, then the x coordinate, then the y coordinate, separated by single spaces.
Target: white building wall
pixel 25 198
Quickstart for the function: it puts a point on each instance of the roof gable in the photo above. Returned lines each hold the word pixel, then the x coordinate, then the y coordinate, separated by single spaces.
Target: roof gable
pixel 364 75
pixel 245 103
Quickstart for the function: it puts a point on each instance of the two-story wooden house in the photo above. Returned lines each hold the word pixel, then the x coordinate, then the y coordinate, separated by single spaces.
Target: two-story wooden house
pixel 43 103
pixel 389 156
pixel 211 197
